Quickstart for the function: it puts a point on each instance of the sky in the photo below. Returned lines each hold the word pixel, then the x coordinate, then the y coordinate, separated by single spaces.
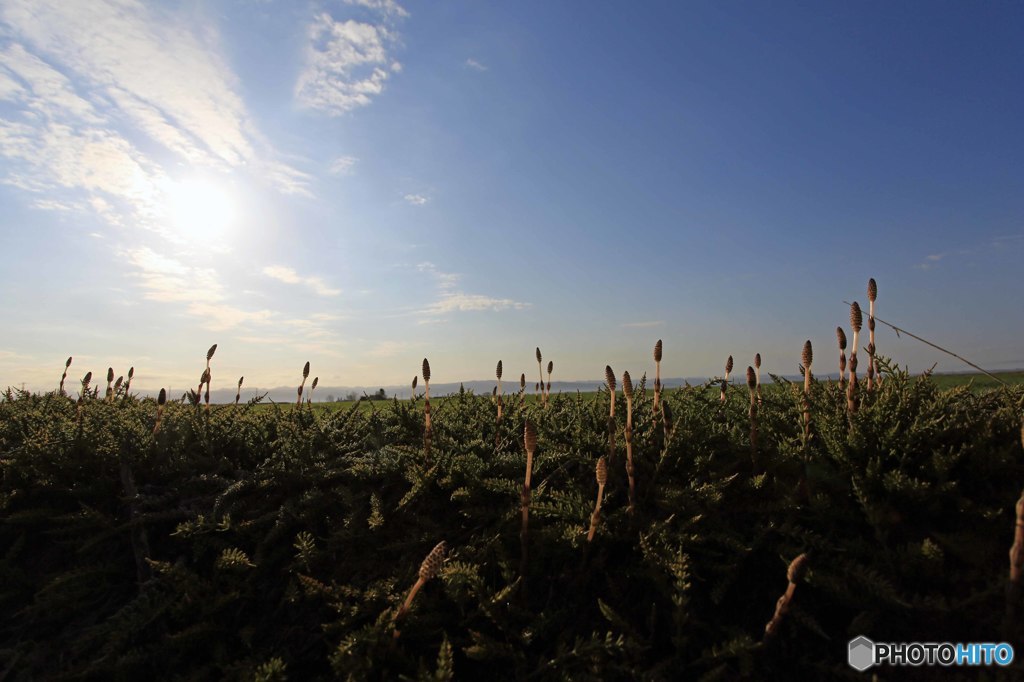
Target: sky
pixel 362 183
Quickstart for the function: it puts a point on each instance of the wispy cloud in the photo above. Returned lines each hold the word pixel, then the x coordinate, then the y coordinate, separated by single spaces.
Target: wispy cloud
pixel 452 300
pixel 386 7
pixel 388 349
pixel 654 323
pixel 346 62
pixel 289 276
pixel 343 165
pixel 168 280
pixel 475 65
pixel 416 199
pixel 930 261
pixel 163 75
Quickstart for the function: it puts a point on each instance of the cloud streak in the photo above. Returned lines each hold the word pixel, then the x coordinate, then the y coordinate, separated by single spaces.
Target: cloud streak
pixel 453 300
pixel 287 275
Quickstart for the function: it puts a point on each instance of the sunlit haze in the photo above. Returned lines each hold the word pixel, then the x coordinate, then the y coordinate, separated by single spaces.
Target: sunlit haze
pixel 361 184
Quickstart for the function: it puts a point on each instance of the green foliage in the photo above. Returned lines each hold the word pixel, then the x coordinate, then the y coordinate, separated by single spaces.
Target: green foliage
pixel 261 542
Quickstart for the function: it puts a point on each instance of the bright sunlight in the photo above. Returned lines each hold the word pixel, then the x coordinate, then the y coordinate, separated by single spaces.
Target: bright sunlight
pixel 199 209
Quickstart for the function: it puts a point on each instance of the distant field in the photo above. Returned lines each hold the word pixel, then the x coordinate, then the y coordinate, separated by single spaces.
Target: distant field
pixel 977 382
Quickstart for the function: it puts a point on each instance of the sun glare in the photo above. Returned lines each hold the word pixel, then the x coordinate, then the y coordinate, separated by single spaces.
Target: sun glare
pixel 199 209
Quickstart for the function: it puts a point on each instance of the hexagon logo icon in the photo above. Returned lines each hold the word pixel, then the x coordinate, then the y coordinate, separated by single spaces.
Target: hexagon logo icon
pixel 861 654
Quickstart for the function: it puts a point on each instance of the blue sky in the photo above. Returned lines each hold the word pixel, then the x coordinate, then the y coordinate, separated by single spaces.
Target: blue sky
pixel 363 183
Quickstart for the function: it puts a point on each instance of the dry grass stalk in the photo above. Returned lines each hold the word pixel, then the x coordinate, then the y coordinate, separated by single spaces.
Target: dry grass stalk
pixel 430 567
pixel 428 434
pixel 530 441
pixel 160 402
pixel 841 338
pixel 752 413
pixel 796 573
pixel 725 381
pixel 657 375
pixel 601 473
pixel 757 371
pixel 807 357
pixel 64 376
pixel 627 390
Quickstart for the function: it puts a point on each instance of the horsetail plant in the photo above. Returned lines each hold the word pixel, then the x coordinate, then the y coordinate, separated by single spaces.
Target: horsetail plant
pixel 752 413
pixel 609 377
pixel 540 371
pixel 795 574
pixel 110 380
pixel 312 387
pixel 128 383
pixel 547 392
pixel 725 381
pixel 851 390
pixel 627 390
pixel 430 567
pixel 601 473
pixel 841 338
pixel 873 369
pixel 497 372
pixel 160 402
pixel 64 375
pixel 305 375
pixel 1016 560
pixel 530 441
pixel 807 357
pixel 522 390
pixel 856 320
pixel 427 432
pixel 657 376
pixel 757 371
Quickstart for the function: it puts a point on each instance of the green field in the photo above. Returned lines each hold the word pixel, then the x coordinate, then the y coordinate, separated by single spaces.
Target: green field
pixel 250 542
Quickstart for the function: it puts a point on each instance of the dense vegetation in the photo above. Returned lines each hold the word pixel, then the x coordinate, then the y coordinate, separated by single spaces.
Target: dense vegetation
pixel 240 542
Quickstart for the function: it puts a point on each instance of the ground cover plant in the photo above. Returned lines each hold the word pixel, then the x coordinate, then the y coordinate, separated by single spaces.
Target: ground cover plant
pixel 748 537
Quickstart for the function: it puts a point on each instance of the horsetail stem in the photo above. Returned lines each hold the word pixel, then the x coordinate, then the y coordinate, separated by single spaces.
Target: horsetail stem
pixel 238 394
pixel 807 357
pixel 841 338
pixel 305 375
pixel 427 429
pixel 609 377
pixel 757 371
pixel 657 375
pixel 530 441
pixel 64 375
pixel 752 413
pixel 627 390
pixel 430 567
pixel 601 473
pixel 795 574
pixel 160 402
